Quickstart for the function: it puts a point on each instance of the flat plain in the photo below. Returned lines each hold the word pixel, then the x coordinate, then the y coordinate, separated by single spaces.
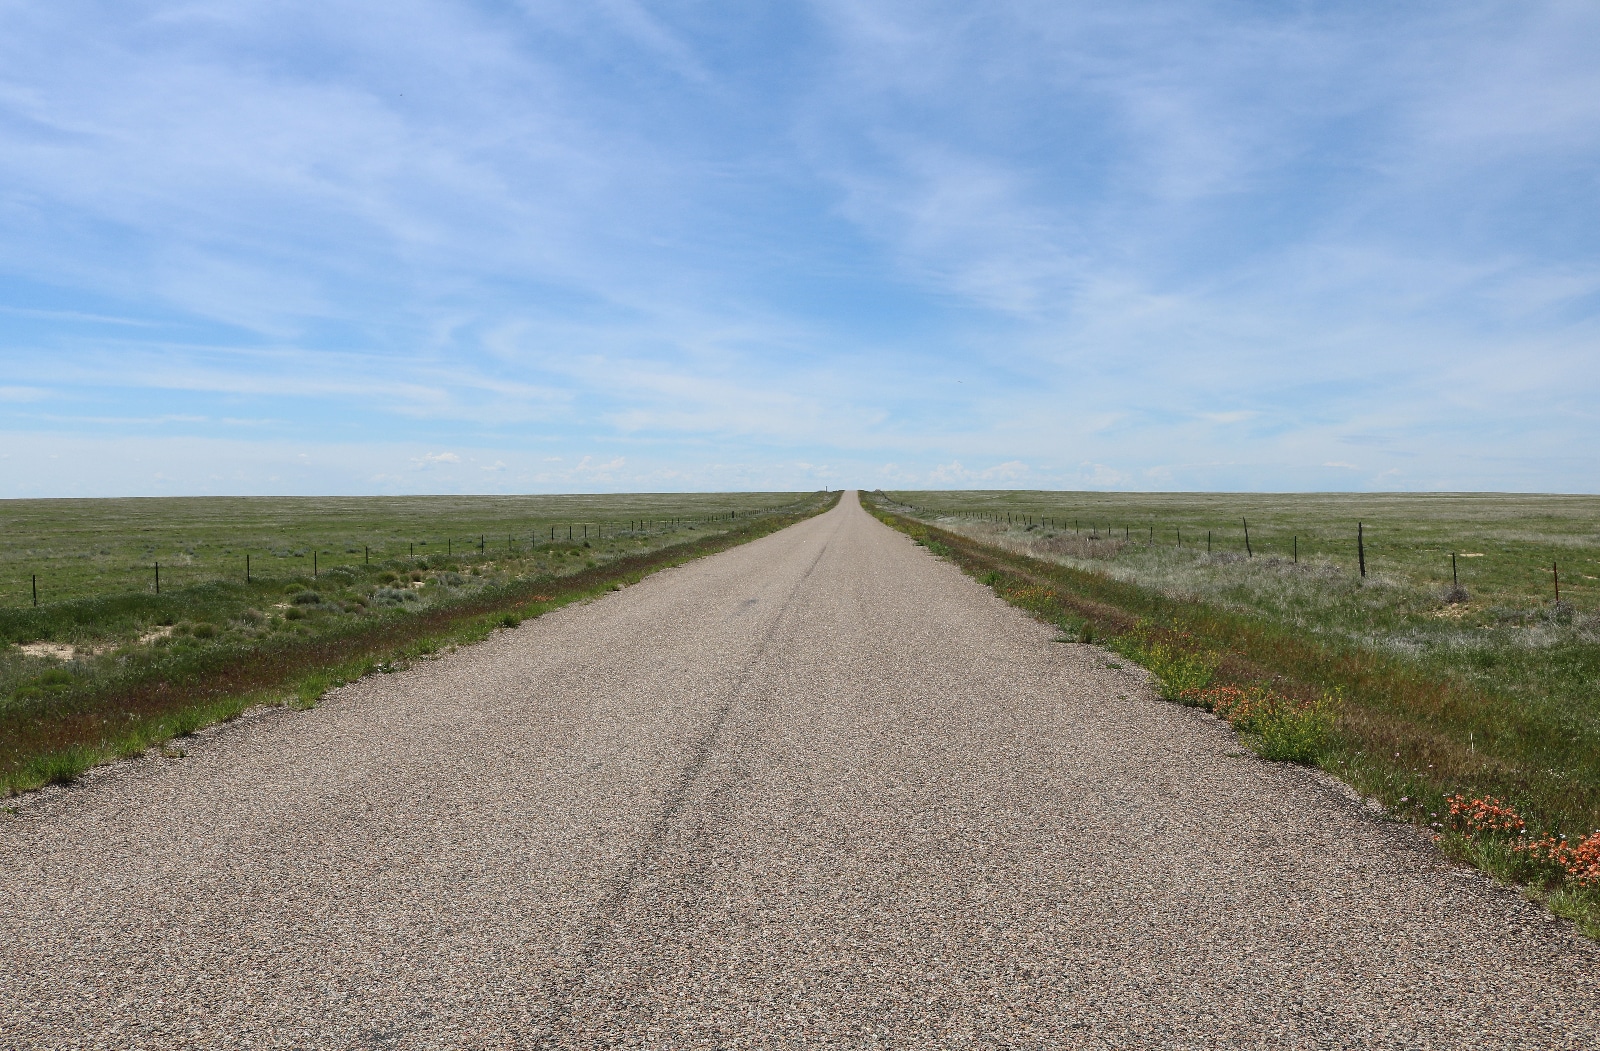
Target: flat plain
pixel 86 548
pixel 822 789
pixel 270 600
pixel 1510 540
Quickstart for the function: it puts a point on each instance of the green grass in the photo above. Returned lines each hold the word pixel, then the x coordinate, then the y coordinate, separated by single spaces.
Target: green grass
pixel 1499 696
pixel 145 668
pixel 1408 537
pixel 95 548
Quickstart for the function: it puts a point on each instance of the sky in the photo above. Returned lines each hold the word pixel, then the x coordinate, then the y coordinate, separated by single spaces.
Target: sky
pixel 619 245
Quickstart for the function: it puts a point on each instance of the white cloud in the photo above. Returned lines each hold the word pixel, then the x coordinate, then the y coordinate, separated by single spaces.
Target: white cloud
pixel 922 236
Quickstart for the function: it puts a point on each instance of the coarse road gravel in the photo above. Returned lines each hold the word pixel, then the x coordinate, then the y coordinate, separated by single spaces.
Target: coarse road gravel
pixel 819 790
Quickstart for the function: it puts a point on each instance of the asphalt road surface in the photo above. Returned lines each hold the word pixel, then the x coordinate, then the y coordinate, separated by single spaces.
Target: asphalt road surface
pixel 819 790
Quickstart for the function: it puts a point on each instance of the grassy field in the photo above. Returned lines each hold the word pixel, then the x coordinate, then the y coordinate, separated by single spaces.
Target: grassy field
pixel 1431 688
pixel 86 548
pixel 1510 542
pixel 337 594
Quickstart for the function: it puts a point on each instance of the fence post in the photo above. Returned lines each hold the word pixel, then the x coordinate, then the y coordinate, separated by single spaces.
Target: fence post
pixel 1455 581
pixel 1556 573
pixel 158 578
pixel 1248 553
pixel 36 589
pixel 1297 549
pixel 313 563
pixel 1361 549
pixel 247 569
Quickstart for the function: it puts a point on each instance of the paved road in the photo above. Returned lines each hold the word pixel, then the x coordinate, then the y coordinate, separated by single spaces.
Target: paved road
pixel 821 789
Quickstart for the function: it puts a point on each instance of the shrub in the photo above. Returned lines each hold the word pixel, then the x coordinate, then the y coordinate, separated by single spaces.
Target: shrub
pixel 204 631
pixel 393 596
pixel 387 577
pixel 294 614
pixel 306 598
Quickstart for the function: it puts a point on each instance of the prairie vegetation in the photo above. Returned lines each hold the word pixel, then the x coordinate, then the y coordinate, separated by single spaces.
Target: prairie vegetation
pixel 115 671
pixel 91 548
pixel 1414 687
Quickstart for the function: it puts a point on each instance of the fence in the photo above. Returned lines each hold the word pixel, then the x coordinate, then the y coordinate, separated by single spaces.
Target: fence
pixel 245 564
pixel 1155 532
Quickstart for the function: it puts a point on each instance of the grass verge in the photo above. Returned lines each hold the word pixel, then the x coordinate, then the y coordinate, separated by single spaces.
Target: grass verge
pixel 56 739
pixel 1422 742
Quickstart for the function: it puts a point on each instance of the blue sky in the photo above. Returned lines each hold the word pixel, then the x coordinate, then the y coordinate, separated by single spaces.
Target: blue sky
pixel 395 247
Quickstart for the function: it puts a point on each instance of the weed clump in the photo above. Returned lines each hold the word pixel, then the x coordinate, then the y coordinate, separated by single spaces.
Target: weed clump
pixel 392 597
pixel 53 683
pixel 1492 835
pixel 1280 729
pixel 60 767
pixel 1180 674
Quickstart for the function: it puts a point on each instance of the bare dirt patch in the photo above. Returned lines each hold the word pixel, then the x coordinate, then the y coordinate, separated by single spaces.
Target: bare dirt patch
pixel 59 650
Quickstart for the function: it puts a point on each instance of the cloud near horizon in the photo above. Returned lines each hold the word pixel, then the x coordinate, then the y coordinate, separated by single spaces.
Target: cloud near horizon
pixel 470 247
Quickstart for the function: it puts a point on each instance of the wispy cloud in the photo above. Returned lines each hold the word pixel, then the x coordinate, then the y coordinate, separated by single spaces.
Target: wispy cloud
pixel 626 244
